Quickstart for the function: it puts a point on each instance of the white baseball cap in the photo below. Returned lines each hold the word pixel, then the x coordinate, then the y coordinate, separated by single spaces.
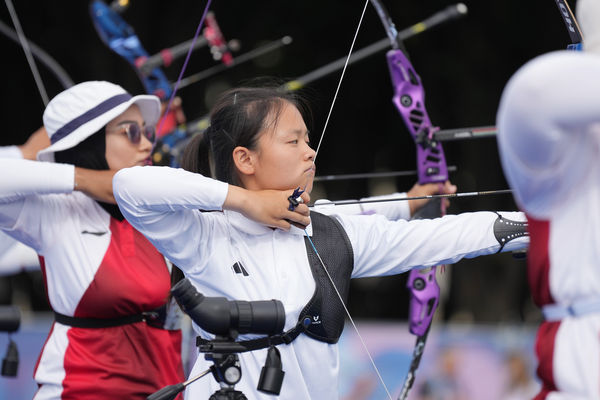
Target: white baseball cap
pixel 82 110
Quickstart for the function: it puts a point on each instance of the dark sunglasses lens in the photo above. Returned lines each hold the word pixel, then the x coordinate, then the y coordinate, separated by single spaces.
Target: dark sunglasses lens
pixel 150 133
pixel 134 133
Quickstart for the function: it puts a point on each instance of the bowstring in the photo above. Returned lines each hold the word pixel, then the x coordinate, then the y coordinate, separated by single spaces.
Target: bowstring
pixel 316 152
pixel 183 68
pixel 340 81
pixel 25 45
pixel 349 316
pixel 306 233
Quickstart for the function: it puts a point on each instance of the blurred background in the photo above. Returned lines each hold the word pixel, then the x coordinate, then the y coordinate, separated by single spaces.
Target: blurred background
pixel 464 66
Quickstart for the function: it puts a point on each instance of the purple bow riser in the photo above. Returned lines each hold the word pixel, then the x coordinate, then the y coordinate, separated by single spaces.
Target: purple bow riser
pixel 409 99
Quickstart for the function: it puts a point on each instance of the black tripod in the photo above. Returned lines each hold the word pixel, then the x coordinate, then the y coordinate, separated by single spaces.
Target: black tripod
pixel 227 394
pixel 226 370
pixel 226 319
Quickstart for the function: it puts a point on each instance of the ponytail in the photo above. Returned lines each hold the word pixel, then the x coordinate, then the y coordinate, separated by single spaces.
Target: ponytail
pixel 196 158
pixel 197 155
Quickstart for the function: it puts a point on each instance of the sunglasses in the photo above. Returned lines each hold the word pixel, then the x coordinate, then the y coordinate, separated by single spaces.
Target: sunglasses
pixel 134 132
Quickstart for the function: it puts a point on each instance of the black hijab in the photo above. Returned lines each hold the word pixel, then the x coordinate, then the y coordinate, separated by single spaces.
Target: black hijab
pixel 90 154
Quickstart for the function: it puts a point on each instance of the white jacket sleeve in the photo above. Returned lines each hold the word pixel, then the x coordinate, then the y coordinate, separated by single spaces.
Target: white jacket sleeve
pixel 10 152
pixel 24 180
pixel 163 204
pixel 383 247
pixel 549 129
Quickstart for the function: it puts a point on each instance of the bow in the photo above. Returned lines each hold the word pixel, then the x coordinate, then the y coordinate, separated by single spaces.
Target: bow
pixel 120 37
pixel 409 99
pixel 571 24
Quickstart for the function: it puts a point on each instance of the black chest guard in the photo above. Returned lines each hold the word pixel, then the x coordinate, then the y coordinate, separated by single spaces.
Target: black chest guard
pixel 323 317
pixel 324 309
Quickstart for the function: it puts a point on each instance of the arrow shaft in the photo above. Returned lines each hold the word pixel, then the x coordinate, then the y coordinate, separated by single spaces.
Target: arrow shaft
pixel 371 175
pixel 428 197
pixel 242 58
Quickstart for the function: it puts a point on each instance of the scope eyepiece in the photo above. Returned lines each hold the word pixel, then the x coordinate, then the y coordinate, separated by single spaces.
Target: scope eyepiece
pixel 221 316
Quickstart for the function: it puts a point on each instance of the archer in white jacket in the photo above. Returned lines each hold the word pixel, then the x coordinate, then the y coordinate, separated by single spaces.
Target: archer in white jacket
pixel 260 154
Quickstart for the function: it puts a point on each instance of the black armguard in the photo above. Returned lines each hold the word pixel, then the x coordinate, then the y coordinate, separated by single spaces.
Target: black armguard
pixel 506 230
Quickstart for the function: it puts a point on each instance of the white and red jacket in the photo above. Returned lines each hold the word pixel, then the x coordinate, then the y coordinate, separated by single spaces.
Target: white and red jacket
pixel 549 139
pixel 94 266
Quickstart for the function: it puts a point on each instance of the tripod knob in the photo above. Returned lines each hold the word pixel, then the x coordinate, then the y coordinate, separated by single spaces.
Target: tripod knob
pixel 232 375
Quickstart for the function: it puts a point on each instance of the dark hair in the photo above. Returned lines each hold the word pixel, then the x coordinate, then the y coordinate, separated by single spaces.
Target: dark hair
pixel 91 154
pixel 236 119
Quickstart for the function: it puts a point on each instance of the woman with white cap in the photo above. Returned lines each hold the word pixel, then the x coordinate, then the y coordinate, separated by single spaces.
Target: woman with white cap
pixel 107 285
pixel 549 142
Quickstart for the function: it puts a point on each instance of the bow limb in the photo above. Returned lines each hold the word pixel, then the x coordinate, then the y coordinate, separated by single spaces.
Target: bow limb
pixel 120 37
pixel 42 56
pixel 571 24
